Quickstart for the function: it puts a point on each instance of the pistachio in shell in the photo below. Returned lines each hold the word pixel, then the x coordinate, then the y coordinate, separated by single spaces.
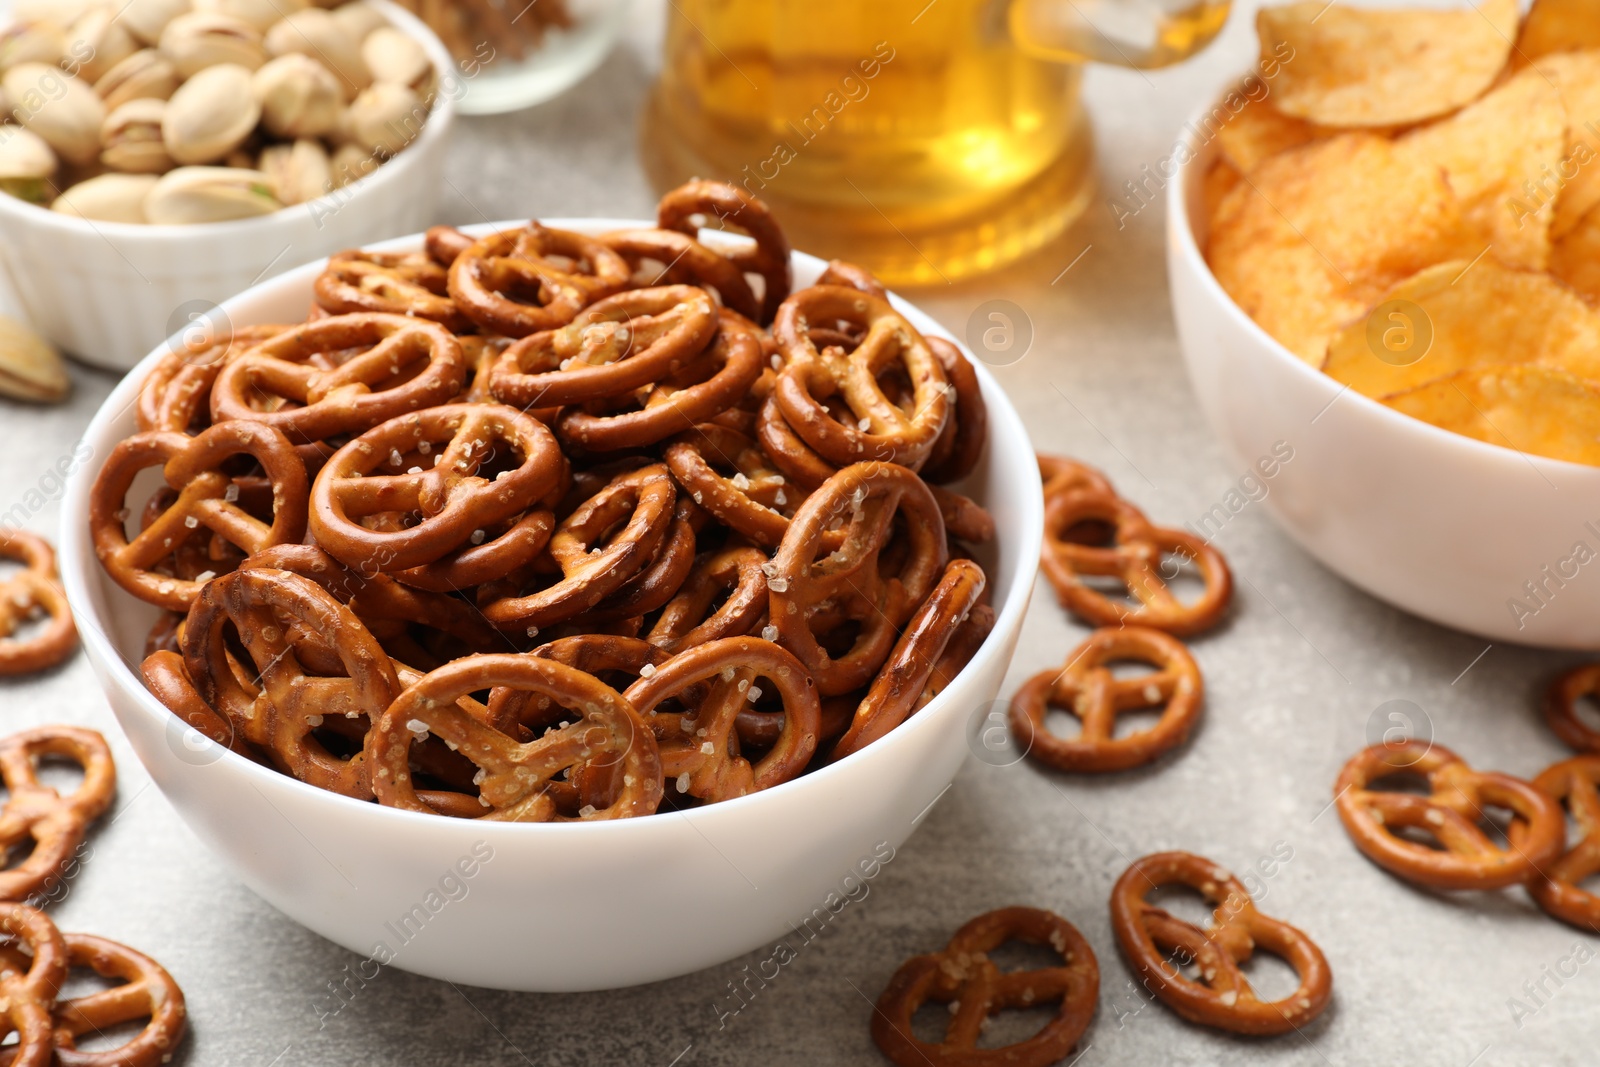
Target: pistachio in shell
pixel 315 32
pixel 299 97
pixel 191 195
pixel 145 19
pixel 386 117
pixel 107 198
pixel 298 172
pixel 60 12
pixel 201 39
pixel 395 56
pixel 24 155
pixel 132 141
pixel 31 42
pixel 259 13
pixel 358 19
pixel 58 107
pixel 30 369
pixel 351 163
pixel 97 42
pixel 210 115
pixel 147 74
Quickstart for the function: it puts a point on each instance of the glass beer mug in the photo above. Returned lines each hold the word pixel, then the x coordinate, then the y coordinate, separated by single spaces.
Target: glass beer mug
pixel 924 139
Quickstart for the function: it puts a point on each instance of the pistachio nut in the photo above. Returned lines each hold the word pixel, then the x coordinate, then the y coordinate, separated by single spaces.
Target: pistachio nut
pixel 96 43
pixel 108 198
pixel 258 13
pixel 145 19
pixel 210 115
pixel 31 42
pixel 298 172
pixel 24 156
pixel 299 97
pixel 29 368
pixel 315 33
pixel 131 139
pixel 394 56
pixel 147 74
pixel 61 12
pixel 351 163
pixel 200 39
pixel 386 117
pixel 358 19
pixel 209 194
pixel 58 107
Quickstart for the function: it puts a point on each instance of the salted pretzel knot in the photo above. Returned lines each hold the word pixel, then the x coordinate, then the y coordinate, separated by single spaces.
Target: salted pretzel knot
pixel 36 813
pixel 1135 557
pixel 667 257
pixel 873 427
pixel 699 745
pixel 1558 887
pixel 293 382
pixel 1451 814
pixel 33 968
pixel 1220 995
pixel 1088 689
pixel 1561 706
pixel 700 204
pixel 519 781
pixel 177 393
pixel 394 283
pixel 687 620
pixel 963 977
pixel 146 991
pixel 754 499
pixel 458 469
pixel 24 596
pixel 519 282
pixel 207 496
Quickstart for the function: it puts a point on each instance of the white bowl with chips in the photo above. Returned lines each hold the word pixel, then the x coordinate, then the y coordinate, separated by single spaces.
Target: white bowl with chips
pixel 557 907
pixel 1485 539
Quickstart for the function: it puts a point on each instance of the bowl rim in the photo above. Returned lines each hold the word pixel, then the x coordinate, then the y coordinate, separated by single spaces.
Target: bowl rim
pixel 78 561
pixel 1181 235
pixel 133 235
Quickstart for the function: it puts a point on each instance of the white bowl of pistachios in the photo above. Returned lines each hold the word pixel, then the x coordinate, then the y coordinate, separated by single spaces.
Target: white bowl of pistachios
pixel 159 156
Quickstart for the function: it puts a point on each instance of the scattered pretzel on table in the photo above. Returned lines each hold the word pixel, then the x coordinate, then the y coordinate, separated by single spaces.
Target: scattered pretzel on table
pixel 27 595
pixel 963 977
pixel 1451 815
pixel 1219 995
pixel 1558 886
pixel 1561 702
pixel 37 814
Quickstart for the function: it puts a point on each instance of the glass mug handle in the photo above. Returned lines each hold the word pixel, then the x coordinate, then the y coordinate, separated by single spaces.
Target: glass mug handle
pixel 1127 33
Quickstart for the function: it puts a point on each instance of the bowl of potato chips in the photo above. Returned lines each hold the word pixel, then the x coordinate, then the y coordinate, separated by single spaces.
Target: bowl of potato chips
pixel 1385 254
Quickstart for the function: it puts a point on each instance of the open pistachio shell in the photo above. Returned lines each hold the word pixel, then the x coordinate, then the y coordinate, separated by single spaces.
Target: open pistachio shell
pixel 200 39
pixel 258 13
pixel 29 368
pixel 97 42
pixel 24 155
pixel 315 32
pixel 358 19
pixel 131 139
pixel 351 163
pixel 298 172
pixel 58 107
pixel 299 97
pixel 386 117
pixel 210 115
pixel 145 19
pixel 108 198
pixel 394 56
pixel 145 74
pixel 192 195
pixel 31 42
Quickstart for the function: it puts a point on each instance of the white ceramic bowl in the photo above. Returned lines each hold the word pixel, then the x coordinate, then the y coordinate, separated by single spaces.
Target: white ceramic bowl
pixel 107 292
pixel 1446 527
pixel 557 907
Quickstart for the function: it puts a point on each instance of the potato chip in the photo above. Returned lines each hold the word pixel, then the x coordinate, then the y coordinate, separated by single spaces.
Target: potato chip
pixel 1530 408
pixel 1367 67
pixel 1575 259
pixel 1558 26
pixel 1312 237
pixel 1492 151
pixel 1574 184
pixel 1459 316
pixel 1259 132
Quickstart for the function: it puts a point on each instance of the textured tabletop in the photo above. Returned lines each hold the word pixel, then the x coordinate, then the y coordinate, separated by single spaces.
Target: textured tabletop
pixel 1294 681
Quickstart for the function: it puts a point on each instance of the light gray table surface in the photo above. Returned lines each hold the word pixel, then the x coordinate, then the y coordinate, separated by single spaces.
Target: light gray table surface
pixel 1293 680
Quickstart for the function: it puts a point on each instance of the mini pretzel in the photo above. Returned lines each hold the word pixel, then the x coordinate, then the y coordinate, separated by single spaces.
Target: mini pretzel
pixel 24 596
pixel 1561 707
pixel 1134 558
pixel 875 428
pixel 959 447
pixel 968 638
pixel 1087 688
pixel 843 272
pixel 617 661
pixel 452 496
pixel 755 499
pixel 963 977
pixel 1558 886
pixel 1061 476
pixel 518 783
pixel 206 496
pixel 37 813
pixel 687 619
pixel 168 680
pixel 641 502
pixel 444 243
pixel 147 991
pixel 177 394
pixel 712 383
pixel 616 345
pixel 805 579
pixel 522 281
pixel 681 260
pixel 259 605
pixel 32 970
pixel 408 283
pixel 898 685
pixel 964 518
pixel 651 589
pixel 1220 996
pixel 699 745
pixel 403 364
pixel 721 206
pixel 1468 858
pixel 797 460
